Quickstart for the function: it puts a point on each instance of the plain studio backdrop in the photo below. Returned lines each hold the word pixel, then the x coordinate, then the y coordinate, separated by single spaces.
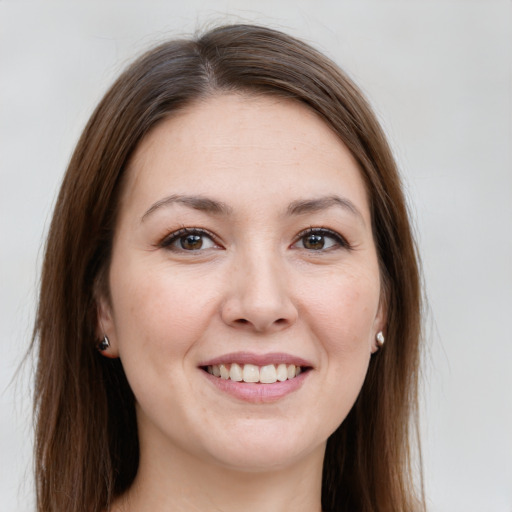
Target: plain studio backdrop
pixel 439 74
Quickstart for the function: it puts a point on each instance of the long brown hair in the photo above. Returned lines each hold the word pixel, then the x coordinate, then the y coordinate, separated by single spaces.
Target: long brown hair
pixel 86 449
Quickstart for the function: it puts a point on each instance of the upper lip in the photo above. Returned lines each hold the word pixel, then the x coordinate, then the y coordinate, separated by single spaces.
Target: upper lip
pixel 257 359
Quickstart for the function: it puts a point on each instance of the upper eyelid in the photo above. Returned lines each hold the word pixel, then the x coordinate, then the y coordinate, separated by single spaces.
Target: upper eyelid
pixel 316 229
pixel 324 231
pixel 169 238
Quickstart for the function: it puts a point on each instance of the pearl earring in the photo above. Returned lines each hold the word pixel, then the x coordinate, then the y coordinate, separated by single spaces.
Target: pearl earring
pixel 380 339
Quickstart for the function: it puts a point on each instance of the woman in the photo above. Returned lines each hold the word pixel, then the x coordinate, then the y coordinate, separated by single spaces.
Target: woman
pixel 229 252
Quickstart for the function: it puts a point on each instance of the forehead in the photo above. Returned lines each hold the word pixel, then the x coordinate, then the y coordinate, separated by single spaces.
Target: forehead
pixel 247 144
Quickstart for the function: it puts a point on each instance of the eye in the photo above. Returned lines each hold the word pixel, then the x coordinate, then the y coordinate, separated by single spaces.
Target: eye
pixel 189 239
pixel 320 239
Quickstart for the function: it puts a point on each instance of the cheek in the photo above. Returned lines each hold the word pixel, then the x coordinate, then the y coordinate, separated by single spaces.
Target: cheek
pixel 158 320
pixel 344 311
pixel 342 319
pixel 157 312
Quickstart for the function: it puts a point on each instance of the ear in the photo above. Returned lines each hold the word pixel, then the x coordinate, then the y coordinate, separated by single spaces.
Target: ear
pixel 105 325
pixel 380 322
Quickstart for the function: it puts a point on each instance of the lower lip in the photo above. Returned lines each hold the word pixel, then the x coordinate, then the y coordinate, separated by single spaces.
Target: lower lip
pixel 257 392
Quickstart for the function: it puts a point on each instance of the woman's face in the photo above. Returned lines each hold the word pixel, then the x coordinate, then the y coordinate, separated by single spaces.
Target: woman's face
pixel 243 250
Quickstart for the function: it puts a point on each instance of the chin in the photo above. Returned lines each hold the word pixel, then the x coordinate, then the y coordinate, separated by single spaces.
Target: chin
pixel 263 449
pixel 261 461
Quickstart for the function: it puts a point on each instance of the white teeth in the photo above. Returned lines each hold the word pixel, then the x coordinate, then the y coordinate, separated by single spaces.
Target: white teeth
pixel 224 372
pixel 267 374
pixel 251 373
pixel 235 372
pixel 282 372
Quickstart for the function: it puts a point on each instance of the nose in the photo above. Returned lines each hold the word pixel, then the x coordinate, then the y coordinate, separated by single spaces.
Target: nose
pixel 259 298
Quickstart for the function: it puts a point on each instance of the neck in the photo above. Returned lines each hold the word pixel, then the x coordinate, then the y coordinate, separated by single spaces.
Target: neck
pixel 180 482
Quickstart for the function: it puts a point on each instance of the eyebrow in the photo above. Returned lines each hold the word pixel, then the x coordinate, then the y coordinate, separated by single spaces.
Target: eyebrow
pixel 203 204
pixel 299 207
pixel 304 206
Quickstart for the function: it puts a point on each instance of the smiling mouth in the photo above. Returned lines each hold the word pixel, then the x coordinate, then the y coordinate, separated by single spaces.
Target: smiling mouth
pixel 250 373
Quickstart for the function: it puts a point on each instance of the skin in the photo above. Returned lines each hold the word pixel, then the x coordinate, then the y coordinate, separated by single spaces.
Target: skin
pixel 256 286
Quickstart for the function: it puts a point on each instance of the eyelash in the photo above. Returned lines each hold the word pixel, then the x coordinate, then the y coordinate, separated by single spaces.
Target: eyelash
pixel 340 241
pixel 173 237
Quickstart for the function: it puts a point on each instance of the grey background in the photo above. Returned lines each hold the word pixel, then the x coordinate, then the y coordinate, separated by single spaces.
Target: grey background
pixel 440 76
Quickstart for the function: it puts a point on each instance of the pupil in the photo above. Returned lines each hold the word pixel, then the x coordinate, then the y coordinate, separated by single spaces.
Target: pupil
pixel 314 242
pixel 191 242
